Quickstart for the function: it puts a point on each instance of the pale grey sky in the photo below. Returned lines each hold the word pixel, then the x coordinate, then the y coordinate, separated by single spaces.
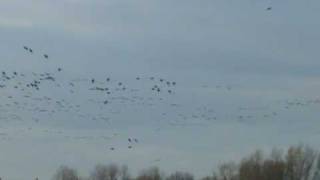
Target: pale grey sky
pixel 267 58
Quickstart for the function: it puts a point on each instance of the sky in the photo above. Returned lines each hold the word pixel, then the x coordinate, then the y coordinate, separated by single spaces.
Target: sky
pixel 231 59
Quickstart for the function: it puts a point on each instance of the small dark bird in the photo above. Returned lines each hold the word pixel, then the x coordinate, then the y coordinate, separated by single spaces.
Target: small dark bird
pixel 269 9
pixel 105 102
pixel 137 78
pixel 59 69
pixel 46 56
pixel 112 149
pixel 108 79
pixel 25 48
pixel 136 140
pixel 30 50
pixel 92 81
pixel 129 139
pixel 130 147
pixel 174 83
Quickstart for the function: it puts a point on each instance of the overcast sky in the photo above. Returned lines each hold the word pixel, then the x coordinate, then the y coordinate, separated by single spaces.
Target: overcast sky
pixel 265 57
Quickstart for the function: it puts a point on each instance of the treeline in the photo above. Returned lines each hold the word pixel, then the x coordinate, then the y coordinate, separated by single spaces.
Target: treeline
pixel 297 163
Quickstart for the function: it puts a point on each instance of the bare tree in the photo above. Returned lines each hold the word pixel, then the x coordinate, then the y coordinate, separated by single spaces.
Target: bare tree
pixel 300 161
pixel 227 171
pixel 273 167
pixel 150 174
pixel 66 173
pixel 273 170
pixel 208 178
pixel 125 173
pixel 180 176
pixel 105 172
pixel 316 175
pixel 251 167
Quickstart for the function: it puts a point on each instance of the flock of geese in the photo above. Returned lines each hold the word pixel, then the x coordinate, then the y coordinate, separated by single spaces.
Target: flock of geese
pixel 30 50
pixel 33 93
pixel 50 96
pixel 38 94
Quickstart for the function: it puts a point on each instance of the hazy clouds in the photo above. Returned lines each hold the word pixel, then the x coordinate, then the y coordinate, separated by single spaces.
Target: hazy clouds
pixel 264 55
